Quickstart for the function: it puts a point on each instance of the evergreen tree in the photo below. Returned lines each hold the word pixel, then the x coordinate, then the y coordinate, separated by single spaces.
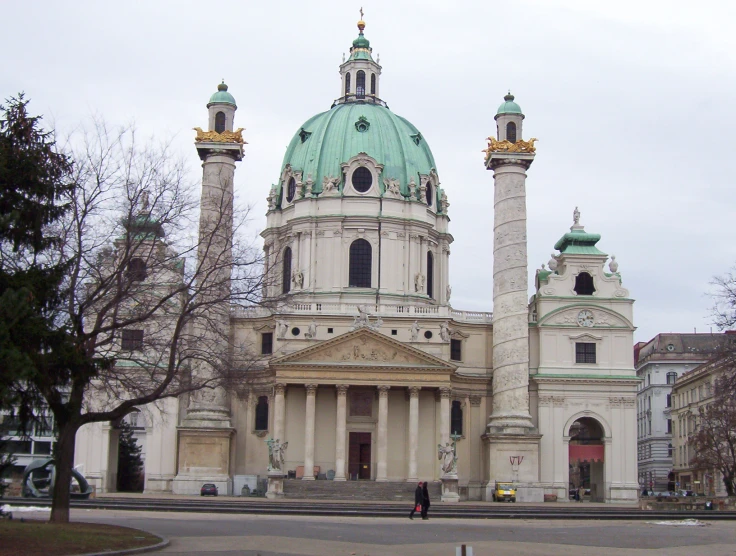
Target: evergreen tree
pixel 130 464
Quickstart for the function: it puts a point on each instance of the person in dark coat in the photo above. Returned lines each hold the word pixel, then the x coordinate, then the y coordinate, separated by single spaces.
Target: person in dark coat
pixel 425 501
pixel 418 499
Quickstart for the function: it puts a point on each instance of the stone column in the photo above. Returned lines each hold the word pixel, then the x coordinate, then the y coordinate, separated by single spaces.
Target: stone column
pixel 381 465
pixel 444 415
pixel 278 411
pixel 413 433
pixel 510 317
pixel 342 391
pixel 309 433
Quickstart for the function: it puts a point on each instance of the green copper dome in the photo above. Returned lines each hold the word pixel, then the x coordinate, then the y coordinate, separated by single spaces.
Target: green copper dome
pixel 331 138
pixel 222 96
pixel 509 106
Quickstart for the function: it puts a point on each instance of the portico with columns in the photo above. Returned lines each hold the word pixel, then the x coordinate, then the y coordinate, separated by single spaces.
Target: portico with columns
pixel 390 383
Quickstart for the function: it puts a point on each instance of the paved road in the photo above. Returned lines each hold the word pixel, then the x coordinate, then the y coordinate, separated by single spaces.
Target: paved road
pixel 251 535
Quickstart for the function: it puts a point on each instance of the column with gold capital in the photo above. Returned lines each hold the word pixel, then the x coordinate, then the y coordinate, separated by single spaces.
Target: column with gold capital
pixel 509 157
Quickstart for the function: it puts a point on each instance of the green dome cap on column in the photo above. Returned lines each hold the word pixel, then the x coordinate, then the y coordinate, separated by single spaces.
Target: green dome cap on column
pixel 222 96
pixel 509 106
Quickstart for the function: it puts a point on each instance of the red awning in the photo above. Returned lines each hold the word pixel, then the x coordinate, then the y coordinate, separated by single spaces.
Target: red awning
pixel 589 453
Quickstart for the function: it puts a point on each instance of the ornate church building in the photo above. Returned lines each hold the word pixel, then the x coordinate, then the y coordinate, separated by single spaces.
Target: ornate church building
pixel 367 371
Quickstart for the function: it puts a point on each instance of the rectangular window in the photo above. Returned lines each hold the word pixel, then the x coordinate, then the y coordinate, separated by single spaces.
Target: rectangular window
pixel 669 426
pixel 584 352
pixel 456 350
pixel 132 340
pixel 669 400
pixel 267 343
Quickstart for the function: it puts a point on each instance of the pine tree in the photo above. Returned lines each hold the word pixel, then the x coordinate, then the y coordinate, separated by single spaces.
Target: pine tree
pixel 130 463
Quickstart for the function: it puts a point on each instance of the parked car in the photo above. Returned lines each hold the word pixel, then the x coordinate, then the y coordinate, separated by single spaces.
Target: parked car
pixel 504 491
pixel 208 489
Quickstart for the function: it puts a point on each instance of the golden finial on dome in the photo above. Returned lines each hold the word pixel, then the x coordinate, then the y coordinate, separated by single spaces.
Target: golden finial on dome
pixel 361 23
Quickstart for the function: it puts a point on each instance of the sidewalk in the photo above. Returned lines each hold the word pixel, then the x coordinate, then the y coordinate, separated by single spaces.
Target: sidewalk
pixel 261 500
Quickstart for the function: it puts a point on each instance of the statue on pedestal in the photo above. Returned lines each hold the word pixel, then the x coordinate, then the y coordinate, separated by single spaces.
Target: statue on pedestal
pixel 276 454
pixel 448 457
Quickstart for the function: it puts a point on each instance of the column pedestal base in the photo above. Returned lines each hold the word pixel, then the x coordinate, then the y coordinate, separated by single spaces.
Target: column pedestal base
pixel 450 490
pixel 204 457
pixel 514 458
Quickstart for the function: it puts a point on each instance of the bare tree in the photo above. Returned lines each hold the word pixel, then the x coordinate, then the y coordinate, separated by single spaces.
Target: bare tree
pixel 146 297
pixel 714 441
pixel 724 296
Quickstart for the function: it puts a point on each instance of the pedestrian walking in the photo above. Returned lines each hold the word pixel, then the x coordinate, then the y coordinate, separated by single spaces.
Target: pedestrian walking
pixel 418 498
pixel 425 501
pixel 581 493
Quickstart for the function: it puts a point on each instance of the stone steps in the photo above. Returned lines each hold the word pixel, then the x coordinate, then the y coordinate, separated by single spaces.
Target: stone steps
pixel 356 490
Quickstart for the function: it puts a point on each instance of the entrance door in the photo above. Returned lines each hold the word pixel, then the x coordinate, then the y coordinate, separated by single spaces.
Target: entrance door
pixel 359 456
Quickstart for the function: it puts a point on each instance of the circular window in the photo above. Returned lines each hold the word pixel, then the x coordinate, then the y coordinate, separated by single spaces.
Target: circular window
pixel 428 334
pixel 291 190
pixel 670 347
pixel 362 179
pixel 429 194
pixel 295 331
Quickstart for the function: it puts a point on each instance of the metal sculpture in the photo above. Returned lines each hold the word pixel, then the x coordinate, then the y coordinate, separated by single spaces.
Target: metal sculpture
pixel 42 485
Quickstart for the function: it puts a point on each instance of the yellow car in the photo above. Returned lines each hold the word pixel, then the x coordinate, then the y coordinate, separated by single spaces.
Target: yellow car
pixel 504 491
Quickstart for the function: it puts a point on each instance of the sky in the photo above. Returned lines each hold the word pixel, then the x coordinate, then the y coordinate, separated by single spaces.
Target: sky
pixel 632 103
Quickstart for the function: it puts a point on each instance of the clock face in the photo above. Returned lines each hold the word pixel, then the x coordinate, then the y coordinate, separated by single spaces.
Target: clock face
pixel 585 318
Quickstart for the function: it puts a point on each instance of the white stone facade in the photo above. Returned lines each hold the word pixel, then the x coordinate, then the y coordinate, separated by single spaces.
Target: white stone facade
pixel 365 382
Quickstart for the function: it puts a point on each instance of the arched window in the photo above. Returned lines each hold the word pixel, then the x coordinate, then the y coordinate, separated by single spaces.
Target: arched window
pixel 511 132
pixel 430 274
pixel 360 264
pixel 347 84
pixel 286 271
pixel 137 270
pixel 584 284
pixel 220 122
pixel 373 83
pixel 428 194
pixel 456 418
pixel 360 84
pixel 291 190
pixel 262 413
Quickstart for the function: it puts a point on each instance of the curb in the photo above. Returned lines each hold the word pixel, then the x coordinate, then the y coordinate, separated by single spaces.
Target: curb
pixel 163 544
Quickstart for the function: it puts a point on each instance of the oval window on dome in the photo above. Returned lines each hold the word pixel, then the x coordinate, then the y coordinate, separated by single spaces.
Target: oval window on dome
pixel 429 194
pixel 362 179
pixel 291 190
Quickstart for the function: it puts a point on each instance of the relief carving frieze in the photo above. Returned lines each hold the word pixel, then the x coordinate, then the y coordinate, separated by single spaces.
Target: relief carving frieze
pixel 363 350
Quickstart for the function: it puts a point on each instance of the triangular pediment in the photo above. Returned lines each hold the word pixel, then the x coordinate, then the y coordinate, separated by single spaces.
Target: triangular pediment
pixel 362 347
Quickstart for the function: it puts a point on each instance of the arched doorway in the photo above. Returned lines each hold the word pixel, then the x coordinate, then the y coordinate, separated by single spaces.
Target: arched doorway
pixel 126 463
pixel 587 449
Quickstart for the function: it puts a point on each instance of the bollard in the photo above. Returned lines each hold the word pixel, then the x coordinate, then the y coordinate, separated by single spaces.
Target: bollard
pixel 464 550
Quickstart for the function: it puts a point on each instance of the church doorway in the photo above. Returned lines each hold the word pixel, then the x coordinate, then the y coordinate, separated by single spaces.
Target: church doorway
pixel 126 454
pixel 359 456
pixel 587 449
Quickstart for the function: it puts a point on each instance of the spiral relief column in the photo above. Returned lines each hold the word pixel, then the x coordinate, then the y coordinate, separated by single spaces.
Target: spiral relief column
pixel 511 435
pixel 510 315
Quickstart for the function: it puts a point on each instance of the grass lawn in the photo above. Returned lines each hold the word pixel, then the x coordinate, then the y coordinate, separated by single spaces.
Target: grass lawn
pixel 38 538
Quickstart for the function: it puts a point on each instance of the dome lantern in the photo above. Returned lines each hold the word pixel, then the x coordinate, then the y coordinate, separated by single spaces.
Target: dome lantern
pixel 360 73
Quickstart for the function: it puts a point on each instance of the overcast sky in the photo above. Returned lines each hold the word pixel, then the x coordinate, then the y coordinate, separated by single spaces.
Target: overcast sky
pixel 632 103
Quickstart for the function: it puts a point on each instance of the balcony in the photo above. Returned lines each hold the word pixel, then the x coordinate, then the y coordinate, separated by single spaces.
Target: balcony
pixel 383 310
